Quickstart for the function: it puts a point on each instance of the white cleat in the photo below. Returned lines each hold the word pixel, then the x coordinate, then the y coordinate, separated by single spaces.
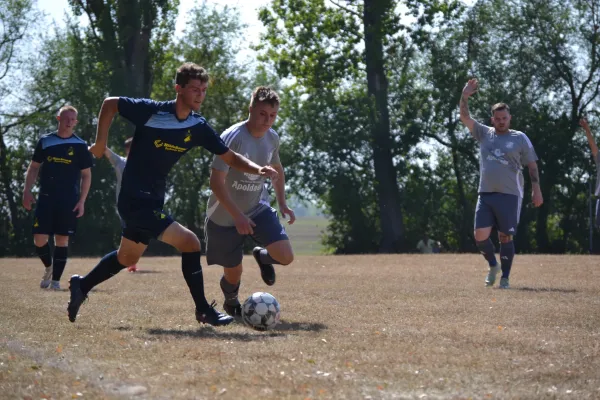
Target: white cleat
pixel 491 276
pixel 45 283
pixel 55 285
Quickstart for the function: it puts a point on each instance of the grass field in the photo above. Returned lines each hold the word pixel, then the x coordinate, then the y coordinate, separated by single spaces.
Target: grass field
pixel 361 327
pixel 305 235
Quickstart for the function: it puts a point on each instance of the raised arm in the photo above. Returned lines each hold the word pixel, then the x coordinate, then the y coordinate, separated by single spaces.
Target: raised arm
pixel 32 174
pixel 588 133
pixel 110 107
pixel 279 185
pixel 465 116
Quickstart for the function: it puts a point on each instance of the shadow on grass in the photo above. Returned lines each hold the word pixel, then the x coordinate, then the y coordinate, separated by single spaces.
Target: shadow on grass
pixel 299 326
pixel 209 332
pixel 543 289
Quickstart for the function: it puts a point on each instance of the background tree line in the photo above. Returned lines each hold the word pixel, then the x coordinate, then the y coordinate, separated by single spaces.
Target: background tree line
pixel 369 120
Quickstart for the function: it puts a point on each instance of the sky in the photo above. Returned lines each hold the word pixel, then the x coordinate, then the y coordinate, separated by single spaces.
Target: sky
pixel 56 9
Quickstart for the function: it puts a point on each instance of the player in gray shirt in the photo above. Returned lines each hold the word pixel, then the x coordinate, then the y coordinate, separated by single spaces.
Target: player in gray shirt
pixel 118 164
pixel 239 203
pixel 503 153
pixel 594 148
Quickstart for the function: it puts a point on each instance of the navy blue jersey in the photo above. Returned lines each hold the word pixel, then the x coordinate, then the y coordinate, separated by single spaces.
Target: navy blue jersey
pixel 159 141
pixel 62 160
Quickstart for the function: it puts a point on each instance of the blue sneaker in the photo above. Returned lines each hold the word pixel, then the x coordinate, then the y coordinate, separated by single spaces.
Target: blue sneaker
pixel 491 276
pixel 504 283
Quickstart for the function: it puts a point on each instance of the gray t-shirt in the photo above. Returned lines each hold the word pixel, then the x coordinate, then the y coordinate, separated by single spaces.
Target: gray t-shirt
pixel 597 192
pixel 118 164
pixel 501 159
pixel 247 191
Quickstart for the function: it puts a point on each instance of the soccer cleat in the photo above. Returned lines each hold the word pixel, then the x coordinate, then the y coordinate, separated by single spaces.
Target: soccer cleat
pixel 45 283
pixel 504 283
pixel 491 276
pixel 55 285
pixel 233 310
pixel 77 297
pixel 267 272
pixel 213 317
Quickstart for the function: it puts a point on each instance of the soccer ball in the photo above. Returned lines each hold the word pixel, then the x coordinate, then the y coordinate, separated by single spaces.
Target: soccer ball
pixel 261 311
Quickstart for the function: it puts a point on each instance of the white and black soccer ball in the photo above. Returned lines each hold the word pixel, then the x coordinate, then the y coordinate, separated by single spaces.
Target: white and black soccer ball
pixel 261 311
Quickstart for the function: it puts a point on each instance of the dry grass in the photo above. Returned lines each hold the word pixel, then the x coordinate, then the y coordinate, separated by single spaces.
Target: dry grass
pixel 380 327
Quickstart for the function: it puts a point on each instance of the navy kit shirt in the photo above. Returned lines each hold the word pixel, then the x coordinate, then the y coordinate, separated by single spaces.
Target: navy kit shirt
pixel 62 160
pixel 159 142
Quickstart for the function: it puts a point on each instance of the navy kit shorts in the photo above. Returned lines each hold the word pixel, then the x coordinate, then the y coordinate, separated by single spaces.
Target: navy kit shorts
pixel 501 210
pixel 225 246
pixel 55 216
pixel 143 219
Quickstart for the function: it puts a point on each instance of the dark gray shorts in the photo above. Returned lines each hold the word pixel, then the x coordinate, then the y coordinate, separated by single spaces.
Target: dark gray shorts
pixel 501 210
pixel 225 246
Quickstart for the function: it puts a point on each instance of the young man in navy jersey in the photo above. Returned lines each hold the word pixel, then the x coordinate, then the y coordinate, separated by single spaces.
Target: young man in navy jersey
pixel 164 131
pixel 64 185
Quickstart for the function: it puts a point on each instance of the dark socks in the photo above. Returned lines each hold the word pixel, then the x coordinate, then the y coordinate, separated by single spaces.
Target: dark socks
pixel 486 248
pixel 44 254
pixel 60 260
pixel 230 291
pixel 507 253
pixel 266 258
pixel 192 272
pixel 108 267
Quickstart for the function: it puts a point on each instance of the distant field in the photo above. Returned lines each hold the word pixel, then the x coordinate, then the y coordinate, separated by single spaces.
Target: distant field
pixel 354 327
pixel 305 235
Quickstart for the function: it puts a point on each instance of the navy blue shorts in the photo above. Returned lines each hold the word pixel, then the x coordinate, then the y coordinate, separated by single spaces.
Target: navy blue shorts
pixel 501 210
pixel 143 219
pixel 55 216
pixel 225 246
pixel 598 213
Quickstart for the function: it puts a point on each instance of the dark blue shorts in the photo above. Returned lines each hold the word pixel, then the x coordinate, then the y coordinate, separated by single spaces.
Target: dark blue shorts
pixel 55 216
pixel 501 210
pixel 142 219
pixel 225 246
pixel 598 213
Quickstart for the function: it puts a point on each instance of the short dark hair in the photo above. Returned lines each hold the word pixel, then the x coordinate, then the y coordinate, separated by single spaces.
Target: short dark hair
pixel 500 107
pixel 189 71
pixel 264 94
pixel 128 142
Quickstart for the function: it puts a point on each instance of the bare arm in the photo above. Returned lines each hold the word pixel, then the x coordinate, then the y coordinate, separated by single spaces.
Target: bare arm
pixel 465 116
pixel 534 175
pixel 86 182
pixel 590 137
pixel 241 163
pixel 110 107
pixel 217 185
pixel 279 185
pixel 32 174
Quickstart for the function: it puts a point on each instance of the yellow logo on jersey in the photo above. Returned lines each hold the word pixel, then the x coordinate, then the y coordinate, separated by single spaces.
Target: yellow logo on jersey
pixel 188 137
pixel 71 152
pixel 59 160
pixel 36 224
pixel 168 146
pixel 160 215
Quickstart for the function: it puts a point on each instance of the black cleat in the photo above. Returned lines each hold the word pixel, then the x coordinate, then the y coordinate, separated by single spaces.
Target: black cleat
pixel 267 272
pixel 213 317
pixel 77 297
pixel 234 311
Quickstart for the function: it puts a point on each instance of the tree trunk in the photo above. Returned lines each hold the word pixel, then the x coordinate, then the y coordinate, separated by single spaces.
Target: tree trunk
pixel 6 177
pixel 386 185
